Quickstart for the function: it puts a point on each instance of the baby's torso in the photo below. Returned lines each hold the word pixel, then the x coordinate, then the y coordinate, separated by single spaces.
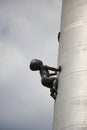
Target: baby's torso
pixel 44 72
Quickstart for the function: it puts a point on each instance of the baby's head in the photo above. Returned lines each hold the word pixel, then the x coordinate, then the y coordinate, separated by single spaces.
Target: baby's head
pixel 36 64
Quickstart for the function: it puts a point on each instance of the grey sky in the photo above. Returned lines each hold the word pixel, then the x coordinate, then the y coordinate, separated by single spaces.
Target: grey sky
pixel 28 29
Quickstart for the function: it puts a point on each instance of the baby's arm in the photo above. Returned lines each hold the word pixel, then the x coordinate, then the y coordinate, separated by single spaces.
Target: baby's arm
pixel 52 68
pixel 52 74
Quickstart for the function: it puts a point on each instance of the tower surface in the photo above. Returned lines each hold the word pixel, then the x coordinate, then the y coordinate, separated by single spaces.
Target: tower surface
pixel 70 108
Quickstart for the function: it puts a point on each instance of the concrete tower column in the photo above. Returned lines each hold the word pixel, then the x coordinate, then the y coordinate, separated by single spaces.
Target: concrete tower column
pixel 70 108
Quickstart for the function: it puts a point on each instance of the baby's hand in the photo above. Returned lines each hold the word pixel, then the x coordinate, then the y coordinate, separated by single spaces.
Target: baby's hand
pixel 60 68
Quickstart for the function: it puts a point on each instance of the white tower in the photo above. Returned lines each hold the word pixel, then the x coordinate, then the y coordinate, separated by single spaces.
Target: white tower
pixel 70 110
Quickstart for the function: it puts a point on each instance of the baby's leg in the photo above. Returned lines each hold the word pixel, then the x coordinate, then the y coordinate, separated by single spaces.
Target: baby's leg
pixel 52 94
pixel 55 84
pixel 54 88
pixel 47 81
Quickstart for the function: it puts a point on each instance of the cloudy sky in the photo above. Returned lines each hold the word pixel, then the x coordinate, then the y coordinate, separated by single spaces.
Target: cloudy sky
pixel 28 29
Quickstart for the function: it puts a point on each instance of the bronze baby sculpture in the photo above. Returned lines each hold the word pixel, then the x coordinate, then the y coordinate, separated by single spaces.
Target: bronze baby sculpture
pixel 46 79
